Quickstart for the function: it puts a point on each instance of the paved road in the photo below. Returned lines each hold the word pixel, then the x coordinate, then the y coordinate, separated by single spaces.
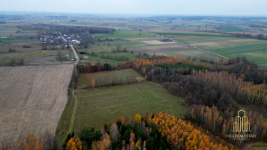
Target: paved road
pixel 76 56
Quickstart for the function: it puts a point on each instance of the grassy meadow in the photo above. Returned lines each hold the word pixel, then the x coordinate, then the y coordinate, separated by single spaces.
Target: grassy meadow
pixel 200 39
pixel 85 77
pixel 97 106
pixel 125 34
pixel 232 29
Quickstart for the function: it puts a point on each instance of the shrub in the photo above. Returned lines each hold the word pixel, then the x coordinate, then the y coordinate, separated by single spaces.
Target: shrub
pixel 26 46
pixel 12 50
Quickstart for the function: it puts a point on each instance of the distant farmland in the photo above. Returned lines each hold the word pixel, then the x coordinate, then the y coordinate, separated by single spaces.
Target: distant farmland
pixel 32 99
pixel 125 34
pixel 232 29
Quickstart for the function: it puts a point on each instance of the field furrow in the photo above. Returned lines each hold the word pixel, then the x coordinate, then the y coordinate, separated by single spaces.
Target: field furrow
pixel 32 99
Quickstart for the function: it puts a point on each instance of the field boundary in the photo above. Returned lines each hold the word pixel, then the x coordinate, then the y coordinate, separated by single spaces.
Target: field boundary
pixel 72 116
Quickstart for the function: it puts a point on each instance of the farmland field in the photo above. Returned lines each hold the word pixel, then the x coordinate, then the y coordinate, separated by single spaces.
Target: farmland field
pixel 133 43
pixel 124 34
pixel 34 51
pixel 99 59
pixel 200 39
pixel 232 29
pixel 19 40
pixel 190 53
pixel 97 106
pixel 32 99
pixel 160 49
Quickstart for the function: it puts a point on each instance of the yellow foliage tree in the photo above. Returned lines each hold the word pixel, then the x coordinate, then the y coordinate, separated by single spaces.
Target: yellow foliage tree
pixel 137 118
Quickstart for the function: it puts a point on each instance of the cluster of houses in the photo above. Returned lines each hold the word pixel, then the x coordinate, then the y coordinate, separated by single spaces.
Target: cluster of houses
pixel 51 39
pixel 58 40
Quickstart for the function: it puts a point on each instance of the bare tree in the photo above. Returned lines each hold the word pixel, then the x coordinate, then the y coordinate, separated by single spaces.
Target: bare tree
pixel 118 46
pixel 59 55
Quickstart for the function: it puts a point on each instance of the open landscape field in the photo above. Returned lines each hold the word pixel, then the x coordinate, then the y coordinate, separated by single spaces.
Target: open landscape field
pixel 32 99
pixel 87 77
pixel 125 34
pixel 21 53
pixel 253 50
pixel 187 39
pixel 191 53
pixel 228 46
pixel 232 29
pixel 102 105
pixel 159 49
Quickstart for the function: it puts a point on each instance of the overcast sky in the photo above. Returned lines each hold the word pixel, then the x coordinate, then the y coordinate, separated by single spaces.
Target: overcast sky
pixel 178 7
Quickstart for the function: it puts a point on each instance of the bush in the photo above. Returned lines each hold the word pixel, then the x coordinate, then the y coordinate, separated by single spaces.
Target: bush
pixel 12 50
pixel 26 46
pixel 82 52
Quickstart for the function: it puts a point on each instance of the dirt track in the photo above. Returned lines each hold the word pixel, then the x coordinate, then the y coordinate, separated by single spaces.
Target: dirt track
pixel 32 99
pixel 167 48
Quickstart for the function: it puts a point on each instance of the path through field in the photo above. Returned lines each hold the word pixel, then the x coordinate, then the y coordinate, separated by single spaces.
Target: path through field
pixel 32 99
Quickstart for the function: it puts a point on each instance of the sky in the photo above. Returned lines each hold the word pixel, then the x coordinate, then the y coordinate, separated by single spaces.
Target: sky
pixel 148 7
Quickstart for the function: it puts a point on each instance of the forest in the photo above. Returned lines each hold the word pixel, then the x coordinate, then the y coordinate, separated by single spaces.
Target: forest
pixel 66 29
pixel 160 131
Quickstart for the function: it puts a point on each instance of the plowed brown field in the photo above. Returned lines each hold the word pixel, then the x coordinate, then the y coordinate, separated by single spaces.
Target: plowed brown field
pixel 32 99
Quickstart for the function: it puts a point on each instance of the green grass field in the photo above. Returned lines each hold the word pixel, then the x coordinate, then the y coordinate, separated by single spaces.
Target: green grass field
pixel 101 105
pixel 124 44
pixel 200 39
pixel 192 53
pixel 252 50
pixel 85 77
pixel 191 33
pixel 99 59
pixel 126 54
pixel 19 40
pixel 125 34
pixel 232 29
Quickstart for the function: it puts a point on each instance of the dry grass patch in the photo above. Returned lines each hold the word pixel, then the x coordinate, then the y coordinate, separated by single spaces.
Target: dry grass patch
pixel 157 42
pixel 157 49
pixel 221 42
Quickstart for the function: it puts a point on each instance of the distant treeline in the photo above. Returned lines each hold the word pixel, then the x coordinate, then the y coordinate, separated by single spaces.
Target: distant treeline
pixel 67 29
pixel 111 81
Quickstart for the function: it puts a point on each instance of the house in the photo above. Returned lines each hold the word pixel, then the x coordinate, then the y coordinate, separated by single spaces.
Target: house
pixel 86 57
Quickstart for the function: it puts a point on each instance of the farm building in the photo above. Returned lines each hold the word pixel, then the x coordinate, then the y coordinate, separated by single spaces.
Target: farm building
pixel 86 57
